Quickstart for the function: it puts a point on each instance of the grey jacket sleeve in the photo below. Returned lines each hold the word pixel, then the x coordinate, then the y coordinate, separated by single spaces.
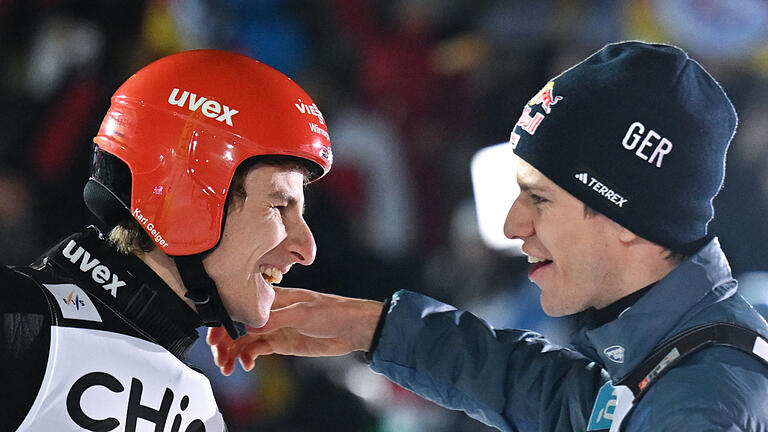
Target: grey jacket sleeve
pixel 514 380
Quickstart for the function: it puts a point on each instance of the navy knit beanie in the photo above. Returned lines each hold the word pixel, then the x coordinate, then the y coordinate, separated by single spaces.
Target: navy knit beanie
pixel 638 132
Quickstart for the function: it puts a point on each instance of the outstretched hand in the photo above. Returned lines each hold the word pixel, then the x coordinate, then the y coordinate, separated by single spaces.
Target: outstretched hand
pixel 302 323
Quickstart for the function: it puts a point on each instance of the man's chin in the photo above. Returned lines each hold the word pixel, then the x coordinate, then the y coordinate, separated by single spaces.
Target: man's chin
pixel 258 322
pixel 555 310
pixel 554 313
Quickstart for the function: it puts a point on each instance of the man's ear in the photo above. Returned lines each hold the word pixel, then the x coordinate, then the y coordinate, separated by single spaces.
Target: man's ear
pixel 626 236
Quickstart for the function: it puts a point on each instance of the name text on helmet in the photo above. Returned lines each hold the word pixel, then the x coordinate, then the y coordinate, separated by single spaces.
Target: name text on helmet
pixel 318 130
pixel 150 227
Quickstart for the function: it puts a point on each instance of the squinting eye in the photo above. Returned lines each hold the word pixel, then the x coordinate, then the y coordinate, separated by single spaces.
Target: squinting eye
pixel 537 199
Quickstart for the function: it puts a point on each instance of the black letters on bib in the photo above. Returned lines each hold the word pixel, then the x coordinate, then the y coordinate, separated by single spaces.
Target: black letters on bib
pixel 136 410
pixel 76 393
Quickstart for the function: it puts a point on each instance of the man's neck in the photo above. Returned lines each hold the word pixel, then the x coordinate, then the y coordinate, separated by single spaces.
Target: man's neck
pixel 164 266
pixel 640 267
pixel 638 281
pixel 615 309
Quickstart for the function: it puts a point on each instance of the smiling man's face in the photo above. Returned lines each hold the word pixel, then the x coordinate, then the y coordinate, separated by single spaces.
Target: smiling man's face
pixel 264 235
pixel 573 255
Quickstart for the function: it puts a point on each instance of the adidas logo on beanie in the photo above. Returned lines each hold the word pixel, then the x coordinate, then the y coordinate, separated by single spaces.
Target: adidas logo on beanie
pixel 639 133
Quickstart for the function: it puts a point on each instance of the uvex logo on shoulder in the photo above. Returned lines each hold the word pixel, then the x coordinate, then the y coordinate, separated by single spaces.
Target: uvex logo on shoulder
pixel 100 273
pixel 209 107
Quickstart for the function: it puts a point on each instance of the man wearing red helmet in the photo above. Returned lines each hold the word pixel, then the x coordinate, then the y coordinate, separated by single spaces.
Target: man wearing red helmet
pixel 198 172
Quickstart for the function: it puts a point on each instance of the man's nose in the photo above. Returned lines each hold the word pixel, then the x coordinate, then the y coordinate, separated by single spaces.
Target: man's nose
pixel 519 223
pixel 302 243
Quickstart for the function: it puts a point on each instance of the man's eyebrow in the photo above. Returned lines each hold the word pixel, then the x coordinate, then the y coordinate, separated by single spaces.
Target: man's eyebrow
pixel 281 195
pixel 528 187
pixel 286 197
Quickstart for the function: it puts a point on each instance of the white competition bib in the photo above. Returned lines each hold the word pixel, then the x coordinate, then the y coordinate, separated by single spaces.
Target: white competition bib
pixel 99 380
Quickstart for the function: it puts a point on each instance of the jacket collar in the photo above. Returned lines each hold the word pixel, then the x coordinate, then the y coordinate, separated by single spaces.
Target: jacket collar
pixel 129 287
pixel 620 346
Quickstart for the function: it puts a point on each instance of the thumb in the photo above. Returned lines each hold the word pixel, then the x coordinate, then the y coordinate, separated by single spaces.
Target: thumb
pixel 294 316
pixel 287 296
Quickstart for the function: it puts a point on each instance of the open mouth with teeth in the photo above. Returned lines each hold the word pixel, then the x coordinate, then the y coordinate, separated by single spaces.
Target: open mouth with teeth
pixel 271 274
pixel 537 264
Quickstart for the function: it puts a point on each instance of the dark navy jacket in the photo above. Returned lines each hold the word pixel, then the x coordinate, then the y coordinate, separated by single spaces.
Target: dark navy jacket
pixel 516 380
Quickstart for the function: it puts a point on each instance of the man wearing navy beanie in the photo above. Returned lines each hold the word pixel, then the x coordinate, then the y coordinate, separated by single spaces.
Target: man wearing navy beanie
pixel 639 133
pixel 620 158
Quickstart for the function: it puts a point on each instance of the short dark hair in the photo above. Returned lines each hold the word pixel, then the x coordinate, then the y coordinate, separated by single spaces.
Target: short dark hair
pixel 129 238
pixel 670 255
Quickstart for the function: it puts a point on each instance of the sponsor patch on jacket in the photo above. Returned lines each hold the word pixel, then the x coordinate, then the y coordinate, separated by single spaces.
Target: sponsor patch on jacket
pixel 73 302
pixel 615 353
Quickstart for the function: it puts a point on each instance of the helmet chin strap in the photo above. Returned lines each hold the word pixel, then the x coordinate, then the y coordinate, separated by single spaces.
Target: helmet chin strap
pixel 202 291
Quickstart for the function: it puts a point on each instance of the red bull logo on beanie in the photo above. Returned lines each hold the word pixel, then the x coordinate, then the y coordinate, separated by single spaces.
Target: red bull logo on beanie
pixel 546 98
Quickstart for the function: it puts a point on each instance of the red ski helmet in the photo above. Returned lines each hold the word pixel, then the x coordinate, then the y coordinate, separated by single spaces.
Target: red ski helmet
pixel 183 125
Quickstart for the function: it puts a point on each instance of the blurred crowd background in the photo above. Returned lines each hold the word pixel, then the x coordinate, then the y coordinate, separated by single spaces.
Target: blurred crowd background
pixel 411 89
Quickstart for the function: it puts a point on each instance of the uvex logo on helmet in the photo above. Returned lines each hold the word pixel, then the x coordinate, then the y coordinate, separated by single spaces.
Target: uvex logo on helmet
pixel 210 108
